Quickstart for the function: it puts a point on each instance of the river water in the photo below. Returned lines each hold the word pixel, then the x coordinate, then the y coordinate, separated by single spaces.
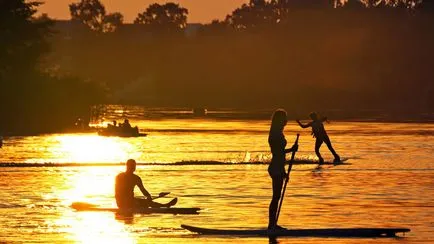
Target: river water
pixel 387 181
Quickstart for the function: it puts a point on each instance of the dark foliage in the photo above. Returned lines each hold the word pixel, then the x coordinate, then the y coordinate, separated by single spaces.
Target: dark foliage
pixel 32 101
pixel 92 13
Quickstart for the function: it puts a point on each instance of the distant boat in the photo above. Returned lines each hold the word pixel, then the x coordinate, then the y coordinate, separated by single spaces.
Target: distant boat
pixel 105 132
pixel 199 111
pixel 121 131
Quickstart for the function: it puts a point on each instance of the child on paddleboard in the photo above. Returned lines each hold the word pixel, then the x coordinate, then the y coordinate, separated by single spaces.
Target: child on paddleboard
pixel 319 132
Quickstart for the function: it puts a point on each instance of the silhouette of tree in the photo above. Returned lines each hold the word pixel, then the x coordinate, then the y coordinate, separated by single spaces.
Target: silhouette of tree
pixel 113 21
pixel 407 4
pixel 167 17
pixel 93 14
pixel 307 3
pixel 33 101
pixel 254 14
pixel 22 37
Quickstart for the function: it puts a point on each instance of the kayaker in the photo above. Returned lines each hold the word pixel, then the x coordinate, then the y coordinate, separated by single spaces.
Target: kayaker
pixel 276 169
pixel 124 190
pixel 319 132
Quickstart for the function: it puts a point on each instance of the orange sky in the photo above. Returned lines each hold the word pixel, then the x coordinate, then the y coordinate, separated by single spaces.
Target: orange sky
pixel 199 10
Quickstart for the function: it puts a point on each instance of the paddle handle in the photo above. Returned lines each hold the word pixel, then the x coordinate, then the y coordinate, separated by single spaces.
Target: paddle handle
pixel 287 179
pixel 162 194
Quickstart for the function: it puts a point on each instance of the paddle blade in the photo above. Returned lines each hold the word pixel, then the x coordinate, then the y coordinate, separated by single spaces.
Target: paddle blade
pixel 163 194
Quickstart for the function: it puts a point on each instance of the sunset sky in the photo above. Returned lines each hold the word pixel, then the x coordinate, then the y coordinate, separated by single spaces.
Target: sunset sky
pixel 203 11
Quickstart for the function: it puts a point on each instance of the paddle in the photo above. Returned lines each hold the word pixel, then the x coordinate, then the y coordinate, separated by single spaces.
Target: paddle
pixel 162 194
pixel 287 179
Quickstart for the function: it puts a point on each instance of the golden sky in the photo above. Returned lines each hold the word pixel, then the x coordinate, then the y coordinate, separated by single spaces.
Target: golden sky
pixel 203 11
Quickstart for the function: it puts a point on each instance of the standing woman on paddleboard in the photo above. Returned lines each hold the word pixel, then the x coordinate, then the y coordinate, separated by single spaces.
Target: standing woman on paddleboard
pixel 276 169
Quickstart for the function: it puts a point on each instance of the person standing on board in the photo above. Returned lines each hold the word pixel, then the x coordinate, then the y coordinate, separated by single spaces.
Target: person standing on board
pixel 124 190
pixel 276 169
pixel 321 136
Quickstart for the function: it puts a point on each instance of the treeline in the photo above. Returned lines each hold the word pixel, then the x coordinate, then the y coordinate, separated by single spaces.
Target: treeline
pixel 299 54
pixel 33 100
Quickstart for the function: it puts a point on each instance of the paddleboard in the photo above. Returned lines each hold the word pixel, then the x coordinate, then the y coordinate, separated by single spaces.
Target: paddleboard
pixel 302 161
pixel 82 206
pixel 329 232
pixel 329 164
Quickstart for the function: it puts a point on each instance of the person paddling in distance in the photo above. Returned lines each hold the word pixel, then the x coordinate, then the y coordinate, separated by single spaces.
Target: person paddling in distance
pixel 276 169
pixel 319 132
pixel 124 191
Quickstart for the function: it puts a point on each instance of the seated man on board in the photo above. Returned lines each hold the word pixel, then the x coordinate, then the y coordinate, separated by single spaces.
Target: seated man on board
pixel 124 190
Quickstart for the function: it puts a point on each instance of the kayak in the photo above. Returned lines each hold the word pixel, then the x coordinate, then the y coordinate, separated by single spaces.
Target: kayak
pixel 329 232
pixel 81 206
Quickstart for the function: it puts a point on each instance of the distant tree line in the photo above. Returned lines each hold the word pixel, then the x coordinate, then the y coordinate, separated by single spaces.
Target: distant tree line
pixel 166 17
pixel 301 54
pixel 172 17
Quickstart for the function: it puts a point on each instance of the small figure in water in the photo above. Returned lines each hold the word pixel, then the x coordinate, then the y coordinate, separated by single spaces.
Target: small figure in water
pixel 276 169
pixel 126 126
pixel 321 136
pixel 112 127
pixel 124 191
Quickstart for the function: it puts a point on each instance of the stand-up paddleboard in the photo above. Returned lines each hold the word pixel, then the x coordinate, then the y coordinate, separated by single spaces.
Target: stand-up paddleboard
pixel 330 164
pixel 343 161
pixel 331 232
pixel 83 206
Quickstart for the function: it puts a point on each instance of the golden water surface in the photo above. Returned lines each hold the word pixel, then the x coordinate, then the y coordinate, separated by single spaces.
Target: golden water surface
pixel 388 181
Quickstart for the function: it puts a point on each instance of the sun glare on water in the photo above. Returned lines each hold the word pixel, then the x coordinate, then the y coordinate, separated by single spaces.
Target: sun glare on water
pixel 82 149
pixel 89 229
pixel 93 185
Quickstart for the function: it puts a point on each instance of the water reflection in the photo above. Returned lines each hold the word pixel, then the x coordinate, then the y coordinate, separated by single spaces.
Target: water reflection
pixel 126 218
pixel 93 184
pixel 205 140
pixel 90 148
pixel 89 227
